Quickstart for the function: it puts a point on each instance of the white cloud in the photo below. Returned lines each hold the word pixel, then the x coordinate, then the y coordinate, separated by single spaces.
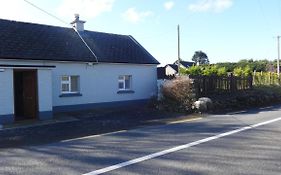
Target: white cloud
pixel 134 16
pixel 86 8
pixel 20 10
pixel 169 5
pixel 210 5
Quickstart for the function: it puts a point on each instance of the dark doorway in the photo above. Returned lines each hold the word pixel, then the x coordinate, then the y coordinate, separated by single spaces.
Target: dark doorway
pixel 25 94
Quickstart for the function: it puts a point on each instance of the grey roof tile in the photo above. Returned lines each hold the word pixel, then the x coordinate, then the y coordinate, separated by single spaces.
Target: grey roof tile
pixel 19 40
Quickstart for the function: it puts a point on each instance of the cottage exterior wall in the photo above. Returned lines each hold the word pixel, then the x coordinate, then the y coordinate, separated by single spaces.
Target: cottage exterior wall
pixel 6 96
pixel 98 84
pixel 45 89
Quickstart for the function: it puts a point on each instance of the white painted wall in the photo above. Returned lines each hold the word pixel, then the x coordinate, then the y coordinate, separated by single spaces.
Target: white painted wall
pixel 45 90
pixel 6 92
pixel 98 83
pixel 170 71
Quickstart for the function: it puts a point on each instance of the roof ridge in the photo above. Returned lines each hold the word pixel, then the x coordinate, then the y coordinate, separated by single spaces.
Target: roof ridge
pixel 32 23
pixel 48 25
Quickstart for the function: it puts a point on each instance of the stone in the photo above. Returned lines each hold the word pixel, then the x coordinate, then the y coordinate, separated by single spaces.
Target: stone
pixel 203 104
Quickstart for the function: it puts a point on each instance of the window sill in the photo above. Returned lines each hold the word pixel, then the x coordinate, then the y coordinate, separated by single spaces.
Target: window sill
pixel 125 92
pixel 71 95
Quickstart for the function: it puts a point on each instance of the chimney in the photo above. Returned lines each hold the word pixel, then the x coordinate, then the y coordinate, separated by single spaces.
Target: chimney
pixel 78 24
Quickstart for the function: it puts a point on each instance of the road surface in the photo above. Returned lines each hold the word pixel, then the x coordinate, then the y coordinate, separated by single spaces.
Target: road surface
pixel 241 143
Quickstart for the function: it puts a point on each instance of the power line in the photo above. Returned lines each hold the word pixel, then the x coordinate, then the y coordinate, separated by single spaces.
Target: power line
pixel 57 18
pixel 268 23
pixel 46 12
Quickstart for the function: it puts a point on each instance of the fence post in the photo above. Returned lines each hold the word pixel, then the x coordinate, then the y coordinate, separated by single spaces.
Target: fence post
pixel 250 81
pixel 231 82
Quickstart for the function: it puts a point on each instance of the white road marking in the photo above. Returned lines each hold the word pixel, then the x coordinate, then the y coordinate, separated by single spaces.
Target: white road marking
pixel 92 136
pixel 178 148
pixel 186 120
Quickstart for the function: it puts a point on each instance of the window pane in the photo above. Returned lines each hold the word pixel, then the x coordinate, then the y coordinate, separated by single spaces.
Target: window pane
pixel 74 84
pixel 121 85
pixel 65 87
pixel 127 84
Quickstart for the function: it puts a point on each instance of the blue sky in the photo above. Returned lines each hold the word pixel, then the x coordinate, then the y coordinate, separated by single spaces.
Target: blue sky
pixel 226 30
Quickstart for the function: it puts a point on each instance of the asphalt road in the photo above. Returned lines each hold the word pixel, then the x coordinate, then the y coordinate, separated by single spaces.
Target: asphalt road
pixel 213 145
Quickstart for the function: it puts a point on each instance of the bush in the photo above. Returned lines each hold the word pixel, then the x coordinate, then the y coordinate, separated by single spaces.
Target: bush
pixel 178 95
pixel 209 70
pixel 257 97
pixel 222 71
pixel 193 70
pixel 242 72
pixel 238 72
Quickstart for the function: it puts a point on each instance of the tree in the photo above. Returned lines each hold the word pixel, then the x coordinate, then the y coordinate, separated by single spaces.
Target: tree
pixel 200 57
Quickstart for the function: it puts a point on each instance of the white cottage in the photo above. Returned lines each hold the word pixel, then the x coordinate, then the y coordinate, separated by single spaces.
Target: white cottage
pixel 46 69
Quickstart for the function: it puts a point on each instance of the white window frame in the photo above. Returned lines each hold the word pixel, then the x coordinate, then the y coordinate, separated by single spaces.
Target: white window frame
pixel 69 83
pixel 123 81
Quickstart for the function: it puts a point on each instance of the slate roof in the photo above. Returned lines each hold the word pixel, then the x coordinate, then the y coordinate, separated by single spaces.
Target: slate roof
pixel 27 41
pixel 187 63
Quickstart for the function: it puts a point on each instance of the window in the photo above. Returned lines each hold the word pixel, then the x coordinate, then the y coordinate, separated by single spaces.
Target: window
pixel 125 82
pixel 69 84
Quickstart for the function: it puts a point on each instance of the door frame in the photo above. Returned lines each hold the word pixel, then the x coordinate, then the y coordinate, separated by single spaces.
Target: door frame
pixel 35 90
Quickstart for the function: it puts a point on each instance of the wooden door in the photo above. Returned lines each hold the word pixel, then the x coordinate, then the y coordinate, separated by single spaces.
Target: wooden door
pixel 30 94
pixel 25 94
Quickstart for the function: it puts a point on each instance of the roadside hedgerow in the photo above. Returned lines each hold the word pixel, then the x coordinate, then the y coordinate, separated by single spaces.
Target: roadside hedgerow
pixel 178 95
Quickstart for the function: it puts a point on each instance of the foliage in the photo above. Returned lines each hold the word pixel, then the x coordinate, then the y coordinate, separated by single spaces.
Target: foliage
pixel 214 70
pixel 210 70
pixel 193 70
pixel 177 95
pixel 238 71
pixel 242 72
pixel 222 71
pixel 257 65
pixel 207 70
pixel 228 66
pixel 265 78
pixel 200 57
pixel 247 71
pixel 257 97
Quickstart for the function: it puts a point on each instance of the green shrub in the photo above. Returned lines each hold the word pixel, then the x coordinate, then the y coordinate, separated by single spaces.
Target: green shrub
pixel 242 72
pixel 238 72
pixel 194 70
pixel 210 70
pixel 247 71
pixel 265 78
pixel 222 71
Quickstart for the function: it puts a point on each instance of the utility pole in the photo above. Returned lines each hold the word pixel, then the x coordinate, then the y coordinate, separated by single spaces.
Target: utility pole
pixel 278 51
pixel 179 49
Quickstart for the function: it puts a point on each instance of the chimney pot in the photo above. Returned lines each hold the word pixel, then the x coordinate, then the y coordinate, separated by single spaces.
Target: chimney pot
pixel 77 23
